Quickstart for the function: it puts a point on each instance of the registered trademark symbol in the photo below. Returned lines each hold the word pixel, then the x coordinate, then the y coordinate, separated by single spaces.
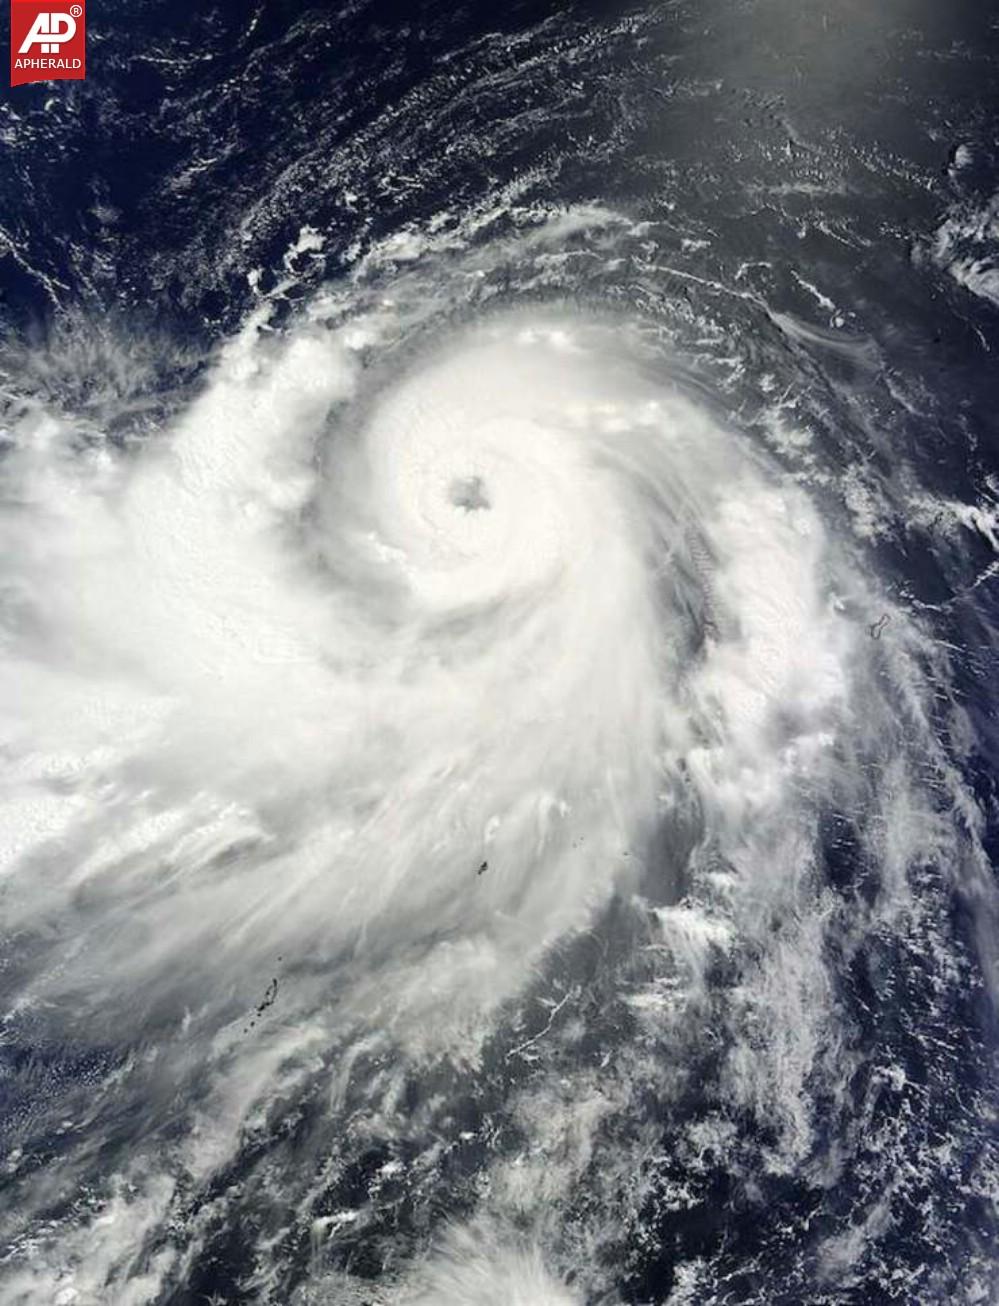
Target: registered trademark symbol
pixel 75 10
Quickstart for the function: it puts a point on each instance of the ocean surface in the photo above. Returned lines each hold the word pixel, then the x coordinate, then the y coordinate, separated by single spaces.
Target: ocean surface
pixel 499 547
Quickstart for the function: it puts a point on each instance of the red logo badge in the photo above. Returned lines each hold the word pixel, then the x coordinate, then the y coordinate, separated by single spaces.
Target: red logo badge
pixel 48 41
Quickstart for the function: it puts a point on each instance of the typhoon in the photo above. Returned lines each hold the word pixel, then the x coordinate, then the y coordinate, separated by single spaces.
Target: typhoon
pixel 497 799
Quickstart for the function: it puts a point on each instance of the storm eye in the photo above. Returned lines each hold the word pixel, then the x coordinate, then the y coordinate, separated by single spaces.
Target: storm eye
pixel 469 492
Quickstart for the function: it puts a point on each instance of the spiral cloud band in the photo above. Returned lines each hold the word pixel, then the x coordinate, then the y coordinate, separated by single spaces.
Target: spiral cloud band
pixel 342 714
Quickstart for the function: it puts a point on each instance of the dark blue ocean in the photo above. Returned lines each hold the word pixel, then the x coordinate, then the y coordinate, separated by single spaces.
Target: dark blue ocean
pixel 499 519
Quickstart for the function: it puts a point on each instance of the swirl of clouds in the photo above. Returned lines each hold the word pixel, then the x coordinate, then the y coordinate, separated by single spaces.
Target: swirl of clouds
pixel 339 713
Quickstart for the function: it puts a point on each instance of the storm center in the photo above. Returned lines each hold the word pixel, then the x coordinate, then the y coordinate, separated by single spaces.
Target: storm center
pixel 469 492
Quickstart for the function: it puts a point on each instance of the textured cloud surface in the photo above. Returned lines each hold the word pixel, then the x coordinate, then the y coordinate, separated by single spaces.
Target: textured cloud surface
pixel 337 715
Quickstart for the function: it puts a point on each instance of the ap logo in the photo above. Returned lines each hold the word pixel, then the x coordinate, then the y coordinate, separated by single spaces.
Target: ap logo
pixel 48 31
pixel 47 41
